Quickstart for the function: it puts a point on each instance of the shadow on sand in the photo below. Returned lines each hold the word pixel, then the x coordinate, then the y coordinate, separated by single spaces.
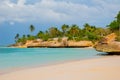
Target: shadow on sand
pixel 109 54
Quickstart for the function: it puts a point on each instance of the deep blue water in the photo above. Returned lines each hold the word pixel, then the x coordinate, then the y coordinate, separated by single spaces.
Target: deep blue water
pixel 11 58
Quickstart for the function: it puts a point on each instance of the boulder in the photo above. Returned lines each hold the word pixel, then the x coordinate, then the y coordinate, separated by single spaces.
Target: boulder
pixel 108 44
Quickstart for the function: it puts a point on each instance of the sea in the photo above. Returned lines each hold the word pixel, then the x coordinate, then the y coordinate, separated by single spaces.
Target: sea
pixel 15 58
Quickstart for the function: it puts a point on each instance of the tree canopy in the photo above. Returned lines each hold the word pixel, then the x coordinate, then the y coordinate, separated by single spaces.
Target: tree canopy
pixel 73 32
pixel 115 24
pixel 32 28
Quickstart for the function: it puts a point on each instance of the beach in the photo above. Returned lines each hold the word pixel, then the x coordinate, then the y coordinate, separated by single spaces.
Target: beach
pixel 104 68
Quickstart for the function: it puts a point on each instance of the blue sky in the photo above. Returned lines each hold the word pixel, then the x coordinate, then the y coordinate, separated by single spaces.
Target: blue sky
pixel 17 15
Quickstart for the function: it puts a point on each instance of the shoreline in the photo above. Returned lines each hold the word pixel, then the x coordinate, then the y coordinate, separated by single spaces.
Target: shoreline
pixel 71 67
pixel 14 68
pixel 46 64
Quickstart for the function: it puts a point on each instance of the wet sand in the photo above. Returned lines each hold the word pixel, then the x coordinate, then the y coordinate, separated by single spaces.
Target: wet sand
pixel 104 68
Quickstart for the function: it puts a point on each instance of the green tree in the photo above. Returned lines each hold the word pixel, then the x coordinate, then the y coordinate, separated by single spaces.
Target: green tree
pixel 22 39
pixel 115 24
pixel 99 31
pixel 65 29
pixel 32 28
pixel 73 32
pixel 17 37
pixel 89 28
pixel 30 37
pixel 118 17
pixel 40 34
pixel 86 27
pixel 92 36
pixel 118 21
pixel 54 32
pixel 43 35
pixel 89 31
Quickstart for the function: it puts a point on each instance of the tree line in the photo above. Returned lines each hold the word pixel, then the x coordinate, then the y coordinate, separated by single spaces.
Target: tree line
pixel 74 32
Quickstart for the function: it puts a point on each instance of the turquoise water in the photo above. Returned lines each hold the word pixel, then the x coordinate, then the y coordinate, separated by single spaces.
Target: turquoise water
pixel 11 58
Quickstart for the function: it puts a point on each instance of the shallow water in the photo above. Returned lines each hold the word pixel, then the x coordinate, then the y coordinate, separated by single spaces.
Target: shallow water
pixel 11 58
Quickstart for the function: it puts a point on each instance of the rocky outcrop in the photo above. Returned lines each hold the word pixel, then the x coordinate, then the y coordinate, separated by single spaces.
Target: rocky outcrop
pixel 108 39
pixel 52 43
pixel 80 43
pixel 55 43
pixel 108 44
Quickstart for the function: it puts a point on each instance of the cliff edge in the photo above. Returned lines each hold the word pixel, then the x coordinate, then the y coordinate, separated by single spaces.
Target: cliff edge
pixel 108 44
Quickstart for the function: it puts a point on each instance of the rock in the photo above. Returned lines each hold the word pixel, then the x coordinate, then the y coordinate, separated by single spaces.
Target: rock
pixel 108 39
pixel 111 47
pixel 80 44
pixel 55 43
pixel 63 43
pixel 108 44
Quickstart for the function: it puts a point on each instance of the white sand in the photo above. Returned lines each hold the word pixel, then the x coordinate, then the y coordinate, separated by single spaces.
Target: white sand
pixel 105 68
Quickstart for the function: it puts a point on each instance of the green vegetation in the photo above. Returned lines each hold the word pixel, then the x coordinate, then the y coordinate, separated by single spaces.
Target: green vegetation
pixel 74 32
pixel 115 26
pixel 32 28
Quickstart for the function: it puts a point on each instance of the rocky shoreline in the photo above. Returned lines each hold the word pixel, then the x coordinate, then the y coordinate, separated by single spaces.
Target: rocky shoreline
pixel 109 45
pixel 64 43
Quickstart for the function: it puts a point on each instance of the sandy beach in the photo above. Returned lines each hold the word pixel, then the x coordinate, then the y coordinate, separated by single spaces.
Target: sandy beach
pixel 105 68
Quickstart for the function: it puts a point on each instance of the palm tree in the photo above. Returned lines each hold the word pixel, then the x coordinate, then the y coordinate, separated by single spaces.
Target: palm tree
pixel 64 29
pixel 74 31
pixel 17 37
pixel 115 24
pixel 118 20
pixel 32 28
pixel 87 27
pixel 40 34
pixel 54 32
pixel 118 17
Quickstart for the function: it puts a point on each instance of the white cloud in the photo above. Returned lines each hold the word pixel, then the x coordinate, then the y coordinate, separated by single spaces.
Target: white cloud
pixel 58 11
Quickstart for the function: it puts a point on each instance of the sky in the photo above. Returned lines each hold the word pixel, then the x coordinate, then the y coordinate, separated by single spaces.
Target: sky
pixel 17 15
